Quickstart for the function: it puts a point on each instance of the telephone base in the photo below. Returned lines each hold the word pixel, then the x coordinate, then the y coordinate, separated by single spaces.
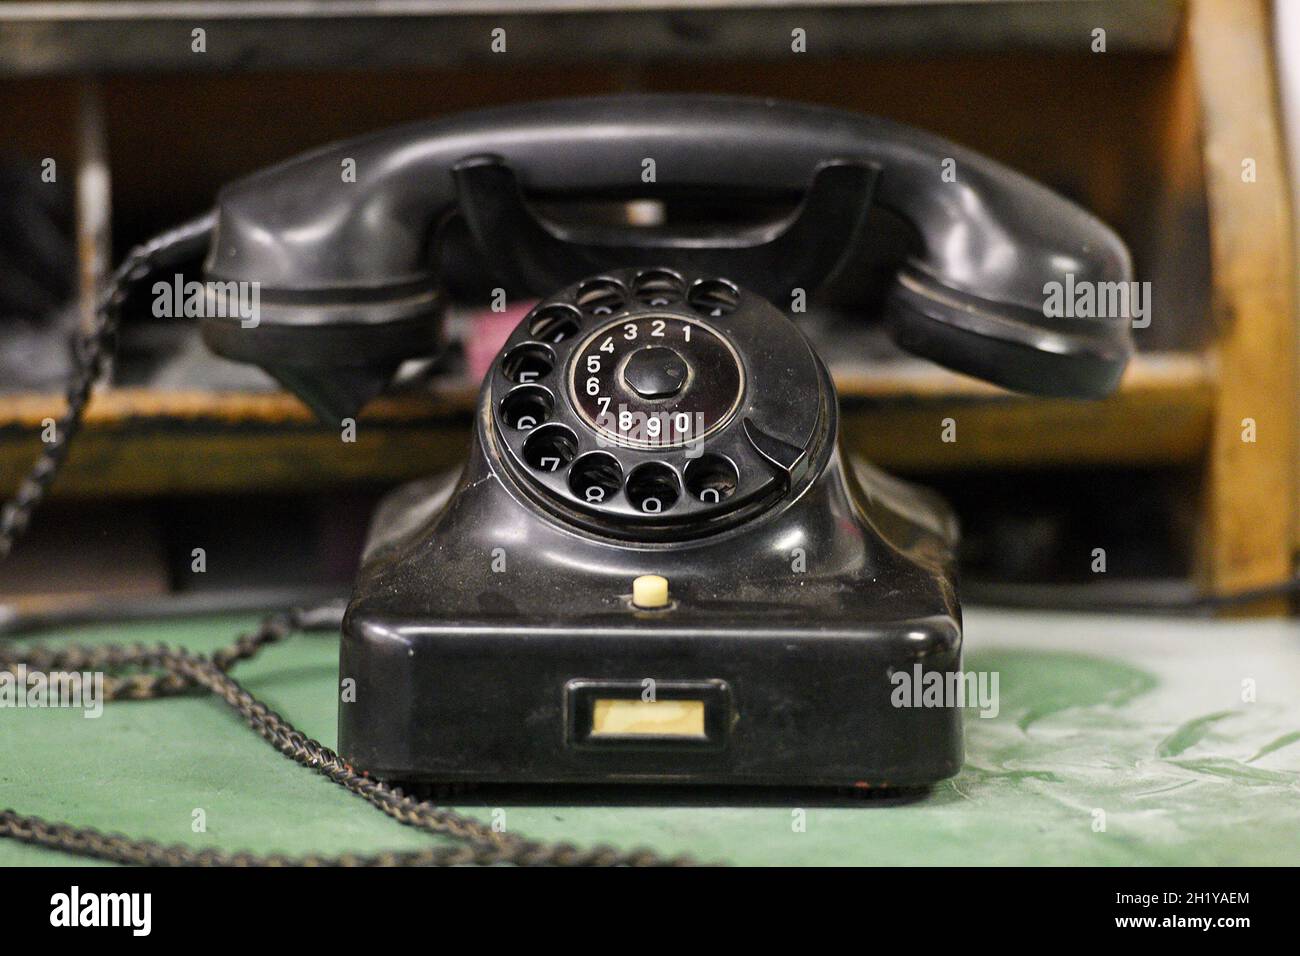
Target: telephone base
pixel 778 707
pixel 542 671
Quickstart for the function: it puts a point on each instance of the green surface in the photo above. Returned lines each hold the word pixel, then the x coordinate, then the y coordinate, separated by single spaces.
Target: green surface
pixel 1142 719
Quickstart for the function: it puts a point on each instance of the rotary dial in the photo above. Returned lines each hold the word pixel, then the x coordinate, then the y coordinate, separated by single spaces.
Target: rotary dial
pixel 651 404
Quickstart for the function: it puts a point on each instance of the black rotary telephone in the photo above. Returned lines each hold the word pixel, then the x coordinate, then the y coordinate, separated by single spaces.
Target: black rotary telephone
pixel 657 564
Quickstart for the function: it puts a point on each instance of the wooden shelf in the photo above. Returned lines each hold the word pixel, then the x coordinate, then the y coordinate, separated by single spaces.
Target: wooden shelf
pixel 1161 415
pixel 139 442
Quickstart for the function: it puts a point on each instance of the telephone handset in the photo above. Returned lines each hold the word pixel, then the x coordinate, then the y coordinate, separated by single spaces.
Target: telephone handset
pixel 657 563
pixel 343 241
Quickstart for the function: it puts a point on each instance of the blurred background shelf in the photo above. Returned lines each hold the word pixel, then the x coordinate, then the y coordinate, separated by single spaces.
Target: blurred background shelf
pixel 1151 135
pixel 257 35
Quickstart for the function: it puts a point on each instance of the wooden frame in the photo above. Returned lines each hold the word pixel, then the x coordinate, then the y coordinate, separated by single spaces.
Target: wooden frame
pixel 1247 521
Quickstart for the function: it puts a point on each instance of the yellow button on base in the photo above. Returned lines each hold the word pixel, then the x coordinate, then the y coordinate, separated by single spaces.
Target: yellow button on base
pixel 650 591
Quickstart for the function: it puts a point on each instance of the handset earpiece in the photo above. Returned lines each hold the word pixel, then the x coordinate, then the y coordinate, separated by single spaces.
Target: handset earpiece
pixel 345 265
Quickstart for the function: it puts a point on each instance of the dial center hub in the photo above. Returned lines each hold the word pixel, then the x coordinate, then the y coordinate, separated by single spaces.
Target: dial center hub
pixel 655 371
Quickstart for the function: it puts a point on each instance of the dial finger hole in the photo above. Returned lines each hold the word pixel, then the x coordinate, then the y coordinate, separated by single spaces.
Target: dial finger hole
pixel 528 363
pixel 653 488
pixel 713 297
pixel 596 477
pixel 711 479
pixel 555 323
pixel 657 287
pixel 601 297
pixel 526 407
pixel 550 448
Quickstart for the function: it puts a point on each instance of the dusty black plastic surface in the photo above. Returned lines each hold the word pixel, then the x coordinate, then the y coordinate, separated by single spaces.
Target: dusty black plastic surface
pixel 494 606
pixel 492 610
pixel 354 257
